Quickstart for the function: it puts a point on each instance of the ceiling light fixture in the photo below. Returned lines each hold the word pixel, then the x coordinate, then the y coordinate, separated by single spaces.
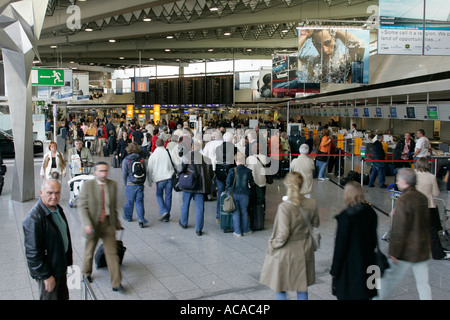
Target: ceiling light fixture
pixel 53 47
pixel 227 34
pixel 210 50
pixel 112 40
pixel 169 37
pixel 121 58
pixel 88 29
pixel 167 50
pixel 213 8
pixel 147 19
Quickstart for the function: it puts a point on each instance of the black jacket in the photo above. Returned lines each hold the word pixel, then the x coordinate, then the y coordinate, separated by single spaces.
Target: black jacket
pixel 44 248
pixel 378 153
pixel 225 159
pixel 356 239
pixel 121 147
pixel 399 149
pixel 202 168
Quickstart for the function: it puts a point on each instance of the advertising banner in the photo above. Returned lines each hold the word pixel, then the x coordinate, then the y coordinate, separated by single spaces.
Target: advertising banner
pixel 80 84
pixel 402 24
pixel 333 55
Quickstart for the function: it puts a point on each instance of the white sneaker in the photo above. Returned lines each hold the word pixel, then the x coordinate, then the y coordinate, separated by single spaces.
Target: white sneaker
pixel 248 233
pixel 327 178
pixel 237 235
pixel 321 179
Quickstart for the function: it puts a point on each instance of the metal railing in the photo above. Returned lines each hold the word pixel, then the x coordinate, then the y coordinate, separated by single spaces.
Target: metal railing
pixel 87 291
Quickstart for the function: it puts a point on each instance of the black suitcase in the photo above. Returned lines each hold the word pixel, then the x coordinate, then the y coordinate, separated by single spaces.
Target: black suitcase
pixel 105 150
pixel 115 161
pixel 226 218
pixel 100 260
pixel 284 168
pixel 259 214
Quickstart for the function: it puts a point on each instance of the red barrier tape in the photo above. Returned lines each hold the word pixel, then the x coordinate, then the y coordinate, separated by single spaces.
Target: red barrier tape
pixel 433 160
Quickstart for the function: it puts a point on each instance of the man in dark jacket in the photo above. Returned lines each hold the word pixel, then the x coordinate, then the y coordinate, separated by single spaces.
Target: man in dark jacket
pixel 378 168
pixel 200 166
pixel 48 247
pixel 134 176
pixel 409 245
pixel 224 162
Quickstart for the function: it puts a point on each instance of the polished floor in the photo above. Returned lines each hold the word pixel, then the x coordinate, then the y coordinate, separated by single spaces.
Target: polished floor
pixel 164 261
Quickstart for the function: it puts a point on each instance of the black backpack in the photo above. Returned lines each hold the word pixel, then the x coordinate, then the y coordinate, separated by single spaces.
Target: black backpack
pixel 99 132
pixel 138 171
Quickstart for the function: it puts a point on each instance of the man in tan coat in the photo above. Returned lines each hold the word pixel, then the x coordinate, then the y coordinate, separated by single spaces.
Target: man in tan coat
pixel 305 166
pixel 97 205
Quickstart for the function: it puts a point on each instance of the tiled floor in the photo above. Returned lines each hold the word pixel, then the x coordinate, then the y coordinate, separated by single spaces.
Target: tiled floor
pixel 164 261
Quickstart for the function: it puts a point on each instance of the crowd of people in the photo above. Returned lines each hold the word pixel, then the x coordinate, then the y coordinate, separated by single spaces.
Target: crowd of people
pixel 243 163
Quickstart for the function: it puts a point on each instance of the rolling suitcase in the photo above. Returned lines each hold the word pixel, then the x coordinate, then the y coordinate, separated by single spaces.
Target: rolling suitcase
pixel 259 213
pixel 115 161
pixel 226 218
pixel 100 260
pixel 284 168
pixel 105 150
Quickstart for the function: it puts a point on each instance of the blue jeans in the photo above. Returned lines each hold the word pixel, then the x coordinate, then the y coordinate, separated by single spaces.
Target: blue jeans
pixel 134 194
pixel 220 189
pixel 199 200
pixel 300 295
pixel 164 187
pixel 322 165
pixel 377 170
pixel 240 214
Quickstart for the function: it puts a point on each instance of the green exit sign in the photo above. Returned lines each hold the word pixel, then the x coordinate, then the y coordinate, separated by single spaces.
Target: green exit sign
pixel 47 77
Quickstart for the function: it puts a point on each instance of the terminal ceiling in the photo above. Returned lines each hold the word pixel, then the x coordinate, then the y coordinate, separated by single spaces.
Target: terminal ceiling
pixel 239 29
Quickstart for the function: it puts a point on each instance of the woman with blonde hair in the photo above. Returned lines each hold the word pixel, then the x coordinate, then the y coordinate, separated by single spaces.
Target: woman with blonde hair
pixel 289 264
pixel 53 163
pixel 355 243
pixel 427 184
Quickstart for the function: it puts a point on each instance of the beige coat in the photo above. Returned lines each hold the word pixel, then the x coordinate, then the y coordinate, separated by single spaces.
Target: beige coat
pixel 305 166
pixel 289 264
pixel 427 184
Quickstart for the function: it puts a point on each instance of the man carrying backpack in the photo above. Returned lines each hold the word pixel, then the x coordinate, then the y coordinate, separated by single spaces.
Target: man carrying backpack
pixel 101 136
pixel 134 176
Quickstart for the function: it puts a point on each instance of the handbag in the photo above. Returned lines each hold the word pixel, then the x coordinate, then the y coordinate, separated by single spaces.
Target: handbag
pixel 175 177
pixel 228 202
pixel 269 177
pixel 315 234
pixel 381 260
pixel 187 181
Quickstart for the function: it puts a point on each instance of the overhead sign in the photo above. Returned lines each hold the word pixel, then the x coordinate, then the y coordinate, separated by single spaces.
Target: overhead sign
pixel 47 77
pixel 140 84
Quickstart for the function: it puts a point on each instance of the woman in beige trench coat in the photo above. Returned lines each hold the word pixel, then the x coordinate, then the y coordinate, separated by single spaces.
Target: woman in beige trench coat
pixel 289 263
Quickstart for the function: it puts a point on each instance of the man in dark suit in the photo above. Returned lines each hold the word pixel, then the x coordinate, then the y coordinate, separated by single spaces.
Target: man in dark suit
pixel 97 205
pixel 378 168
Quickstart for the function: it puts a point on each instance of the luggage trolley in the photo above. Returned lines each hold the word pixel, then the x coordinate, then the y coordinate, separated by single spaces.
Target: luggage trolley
pixel 80 170
pixel 444 234
pixel 395 194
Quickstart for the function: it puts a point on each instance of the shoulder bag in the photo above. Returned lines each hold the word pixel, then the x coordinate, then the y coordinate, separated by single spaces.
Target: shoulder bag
pixel 315 234
pixel 175 177
pixel 269 177
pixel 228 202
pixel 321 158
